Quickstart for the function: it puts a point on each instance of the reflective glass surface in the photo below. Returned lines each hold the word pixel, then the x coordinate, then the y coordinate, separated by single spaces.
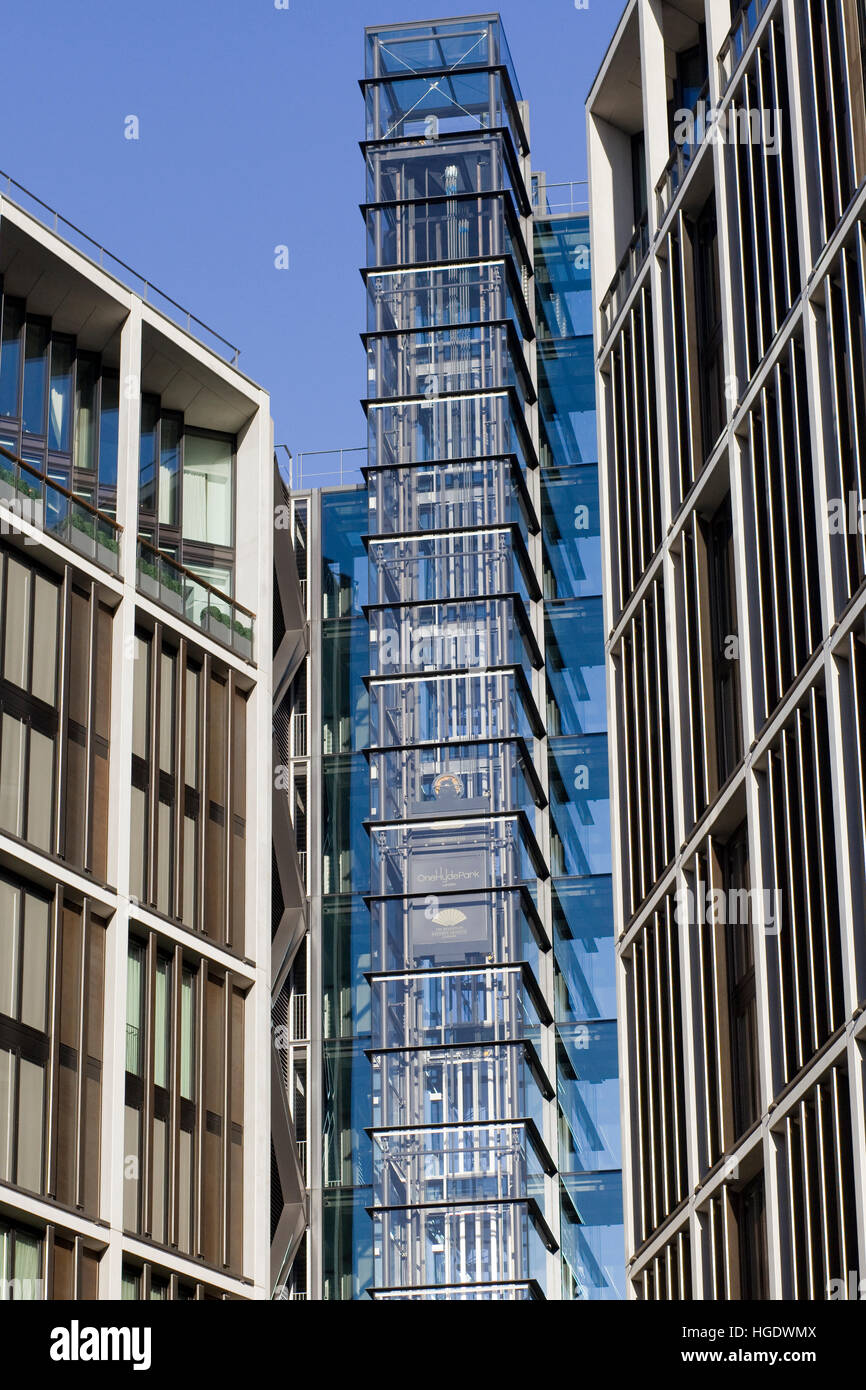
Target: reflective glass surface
pixel 587 1085
pixel 571 521
pixel 473 854
pixel 592 1237
pixel 451 1245
pixel 490 704
pixel 422 568
pixel 583 943
pixel 449 496
pixel 453 1007
pixel 574 662
pixel 579 806
pixel 455 1084
pixel 344 558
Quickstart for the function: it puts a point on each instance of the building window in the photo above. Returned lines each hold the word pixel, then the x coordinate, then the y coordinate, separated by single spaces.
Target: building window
pixel 752 1229
pixel 186 493
pixel 28 947
pixel 21 1263
pixel 708 306
pixel 60 405
pixel 199 1139
pixel 188 835
pixel 741 987
pixel 725 642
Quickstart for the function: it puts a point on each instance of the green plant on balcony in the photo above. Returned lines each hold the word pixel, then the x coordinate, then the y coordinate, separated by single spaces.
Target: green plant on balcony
pixel 168 581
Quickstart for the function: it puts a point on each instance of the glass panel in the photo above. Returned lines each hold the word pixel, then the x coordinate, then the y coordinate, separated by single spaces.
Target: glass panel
pixel 208 489
pixel 60 397
pixel 9 948
pixel 40 801
pixel 344 556
pixel 34 988
pixel 187 1035
pixel 130 1284
pixel 162 1022
pixel 587 1085
pixel 571 517
pixel 108 426
pixel 160 1178
pixel 31 1082
pixel 579 806
pixel 10 358
pixel 167 664
pixel 464 1163
pixel 445 708
pixel 138 813
pixel 140 698
pixel 86 377
pixel 452 1007
pixel 7 1114
pixel 147 448
pixel 575 665
pixel 462 1245
pixel 131 1166
pixel 134 985
pixel 28 1266
pixel 11 774
pixel 169 463
pixel 592 1236
pixel 191 728
pixel 17 622
pixel 35 367
pixel 584 949
pixel 45 595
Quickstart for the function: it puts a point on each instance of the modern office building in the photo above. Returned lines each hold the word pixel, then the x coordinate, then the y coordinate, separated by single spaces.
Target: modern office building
pixel 449 769
pixel 137 515
pixel 727 158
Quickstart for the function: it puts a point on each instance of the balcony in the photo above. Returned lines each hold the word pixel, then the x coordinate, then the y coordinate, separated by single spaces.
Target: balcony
pixel 627 272
pixel 741 34
pixel 681 160
pixel 54 509
pixel 189 596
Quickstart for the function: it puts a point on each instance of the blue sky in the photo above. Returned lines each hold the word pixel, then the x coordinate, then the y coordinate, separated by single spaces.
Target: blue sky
pixel 249 122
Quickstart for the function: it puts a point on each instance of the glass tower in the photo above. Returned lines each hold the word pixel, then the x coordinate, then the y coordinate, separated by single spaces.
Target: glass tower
pixel 463 1197
pixel 470 1115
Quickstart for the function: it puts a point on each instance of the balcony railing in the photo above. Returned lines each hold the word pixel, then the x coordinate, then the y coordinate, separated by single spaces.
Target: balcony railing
pixel 332 468
pixel 682 158
pixel 299 735
pixel 299 1018
pixel 559 199
pixel 192 598
pixel 737 42
pixel 133 1049
pixel 627 272
pixel 58 512
pixel 119 270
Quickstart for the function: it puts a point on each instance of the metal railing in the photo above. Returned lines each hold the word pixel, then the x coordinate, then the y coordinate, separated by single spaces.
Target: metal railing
pixel 156 298
pixel 133 1049
pixel 557 199
pixel 627 272
pixel 299 1018
pixel 301 1145
pixel 302 476
pixel 681 160
pixel 56 510
pixel 299 735
pixel 193 598
pixel 737 41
